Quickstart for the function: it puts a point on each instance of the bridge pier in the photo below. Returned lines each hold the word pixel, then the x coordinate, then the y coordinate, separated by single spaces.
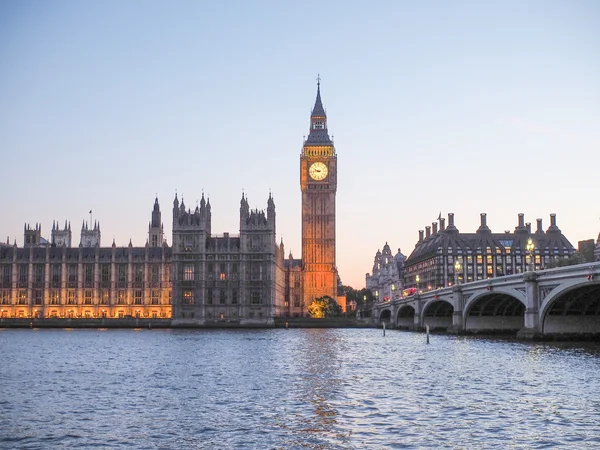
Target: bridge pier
pixel 532 328
pixel 458 325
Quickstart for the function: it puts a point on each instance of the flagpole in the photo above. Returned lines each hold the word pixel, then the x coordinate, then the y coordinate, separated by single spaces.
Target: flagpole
pixel 91 226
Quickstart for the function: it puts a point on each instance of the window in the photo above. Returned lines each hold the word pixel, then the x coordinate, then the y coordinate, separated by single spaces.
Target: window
pixel 105 275
pixel 22 273
pixel 256 298
pixel 122 275
pixel 72 273
pixel 121 297
pixel 87 297
pixel 71 297
pixel 138 273
pixel 154 273
pixel 297 301
pixel 209 297
pixel 39 273
pixel 37 297
pixel 54 297
pixel 155 297
pixel 89 274
pixel 56 273
pixel 318 125
pixel 222 297
pixel 104 297
pixel 188 297
pixel 188 272
pixel 137 297
pixel 234 297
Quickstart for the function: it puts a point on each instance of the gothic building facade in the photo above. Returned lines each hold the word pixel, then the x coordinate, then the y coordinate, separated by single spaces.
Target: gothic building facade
pixel 52 279
pixel 315 275
pixel 386 279
pixel 202 277
pixel 226 278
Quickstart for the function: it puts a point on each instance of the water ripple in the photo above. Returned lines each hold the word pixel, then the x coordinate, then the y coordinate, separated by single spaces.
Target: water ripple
pixel 287 389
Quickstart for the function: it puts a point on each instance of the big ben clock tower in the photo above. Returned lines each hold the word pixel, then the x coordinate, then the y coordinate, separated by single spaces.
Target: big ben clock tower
pixel 318 182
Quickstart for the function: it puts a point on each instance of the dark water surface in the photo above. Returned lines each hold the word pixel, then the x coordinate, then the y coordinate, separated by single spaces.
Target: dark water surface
pixel 283 389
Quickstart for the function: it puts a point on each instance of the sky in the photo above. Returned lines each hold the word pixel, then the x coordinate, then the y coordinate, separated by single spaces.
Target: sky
pixel 435 107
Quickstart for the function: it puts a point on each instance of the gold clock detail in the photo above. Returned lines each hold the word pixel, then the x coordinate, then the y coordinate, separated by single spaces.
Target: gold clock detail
pixel 318 171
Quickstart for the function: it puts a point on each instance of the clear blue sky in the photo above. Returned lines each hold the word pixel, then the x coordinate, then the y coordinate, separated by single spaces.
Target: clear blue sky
pixel 437 106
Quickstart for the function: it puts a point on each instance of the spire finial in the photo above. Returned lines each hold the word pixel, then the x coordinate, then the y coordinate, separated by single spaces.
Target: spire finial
pixel 318 80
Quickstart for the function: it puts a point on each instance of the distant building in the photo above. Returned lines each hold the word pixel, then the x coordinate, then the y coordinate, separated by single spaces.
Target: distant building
pixel 231 278
pixel 202 277
pixel 385 281
pixel 586 248
pixel 442 258
pixel 597 249
pixel 52 279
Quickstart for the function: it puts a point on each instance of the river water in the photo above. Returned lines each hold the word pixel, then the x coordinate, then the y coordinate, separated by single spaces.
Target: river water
pixel 297 388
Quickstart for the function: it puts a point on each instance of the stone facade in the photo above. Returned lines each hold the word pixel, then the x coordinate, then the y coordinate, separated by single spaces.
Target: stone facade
pixel 226 278
pixel 597 249
pixel 50 280
pixel 318 184
pixel 203 277
pixel 385 282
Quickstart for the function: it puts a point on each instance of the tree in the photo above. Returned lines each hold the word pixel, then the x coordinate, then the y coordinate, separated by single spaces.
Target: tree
pixel 575 258
pixel 325 306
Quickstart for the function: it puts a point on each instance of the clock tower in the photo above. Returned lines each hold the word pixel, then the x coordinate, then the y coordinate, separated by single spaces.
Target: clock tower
pixel 318 183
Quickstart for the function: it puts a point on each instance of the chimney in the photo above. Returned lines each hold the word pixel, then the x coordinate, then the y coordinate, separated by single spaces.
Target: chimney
pixel 442 224
pixel 427 232
pixel 450 220
pixel 553 220
pixel 528 226
pixel 483 220
pixel 521 220
pixel 539 226
pixel 434 225
pixel 420 235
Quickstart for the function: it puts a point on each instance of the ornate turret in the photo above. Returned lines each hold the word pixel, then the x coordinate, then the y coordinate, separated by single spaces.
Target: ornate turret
pixel 90 237
pixel 155 228
pixel 61 238
pixel 318 134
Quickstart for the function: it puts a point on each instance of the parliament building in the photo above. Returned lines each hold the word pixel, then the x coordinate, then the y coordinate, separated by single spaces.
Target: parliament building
pixel 202 277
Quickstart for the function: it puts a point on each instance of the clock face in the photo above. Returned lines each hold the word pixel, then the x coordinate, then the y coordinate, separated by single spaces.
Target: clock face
pixel 317 171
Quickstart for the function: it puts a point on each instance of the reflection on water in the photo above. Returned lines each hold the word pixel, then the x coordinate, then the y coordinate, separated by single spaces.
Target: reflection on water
pixel 320 388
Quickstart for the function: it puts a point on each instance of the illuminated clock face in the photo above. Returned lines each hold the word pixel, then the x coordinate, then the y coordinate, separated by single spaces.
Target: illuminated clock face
pixel 318 171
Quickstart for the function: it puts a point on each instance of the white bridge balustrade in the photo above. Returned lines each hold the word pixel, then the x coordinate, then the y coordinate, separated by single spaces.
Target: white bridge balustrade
pixel 561 301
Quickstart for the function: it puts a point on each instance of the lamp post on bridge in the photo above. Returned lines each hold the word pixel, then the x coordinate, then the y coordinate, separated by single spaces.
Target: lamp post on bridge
pixel 530 247
pixel 418 280
pixel 457 269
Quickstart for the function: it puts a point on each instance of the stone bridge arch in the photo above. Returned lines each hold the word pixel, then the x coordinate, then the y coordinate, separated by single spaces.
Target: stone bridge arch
pixel 437 313
pixel 571 307
pixel 405 319
pixel 385 316
pixel 495 310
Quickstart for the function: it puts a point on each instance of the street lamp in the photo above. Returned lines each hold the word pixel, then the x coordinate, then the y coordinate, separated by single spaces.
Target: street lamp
pixel 457 269
pixel 530 247
pixel 418 280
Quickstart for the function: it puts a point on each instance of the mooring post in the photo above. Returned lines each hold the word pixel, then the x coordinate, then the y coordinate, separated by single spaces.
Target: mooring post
pixel 427 332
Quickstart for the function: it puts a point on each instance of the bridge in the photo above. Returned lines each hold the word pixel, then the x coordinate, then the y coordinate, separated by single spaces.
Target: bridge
pixel 560 301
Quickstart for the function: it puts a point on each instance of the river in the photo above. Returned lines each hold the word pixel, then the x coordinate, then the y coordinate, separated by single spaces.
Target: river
pixel 297 388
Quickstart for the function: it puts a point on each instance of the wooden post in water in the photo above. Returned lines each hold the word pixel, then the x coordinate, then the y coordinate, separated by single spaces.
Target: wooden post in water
pixel 427 332
pixel 383 328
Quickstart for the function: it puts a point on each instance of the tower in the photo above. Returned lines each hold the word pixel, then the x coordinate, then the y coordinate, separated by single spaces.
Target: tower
pixel 61 238
pixel 155 229
pixel 318 183
pixel 90 237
